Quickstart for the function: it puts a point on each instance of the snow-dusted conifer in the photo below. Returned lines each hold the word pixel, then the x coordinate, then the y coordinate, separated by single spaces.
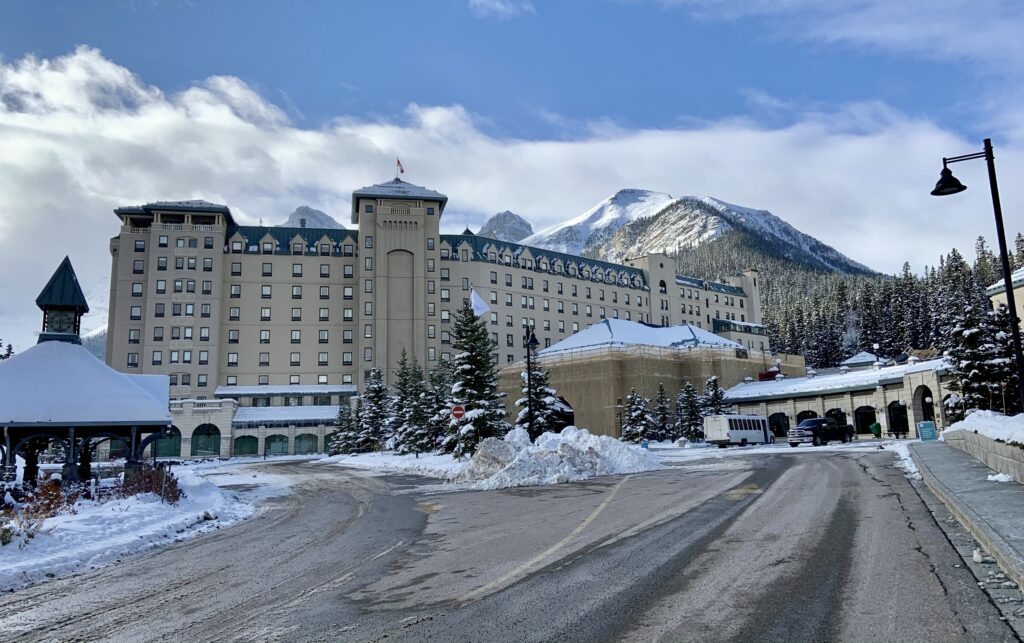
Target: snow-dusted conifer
pixel 412 432
pixel 373 416
pixel 690 422
pixel 438 404
pixel 475 387
pixel 1004 366
pixel 713 400
pixel 664 427
pixel 548 409
pixel 637 422
pixel 345 438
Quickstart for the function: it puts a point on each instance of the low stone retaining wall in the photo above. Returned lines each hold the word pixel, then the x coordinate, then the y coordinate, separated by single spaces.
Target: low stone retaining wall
pixel 1002 457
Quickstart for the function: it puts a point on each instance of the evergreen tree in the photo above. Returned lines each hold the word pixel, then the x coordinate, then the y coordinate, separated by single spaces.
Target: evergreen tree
pixel 548 409
pixel 973 352
pixel 374 414
pixel 1004 366
pixel 1018 250
pixel 5 351
pixel 664 427
pixel 412 433
pixel 345 438
pixel 636 419
pixel 691 421
pixel 475 387
pixel 438 404
pixel 713 400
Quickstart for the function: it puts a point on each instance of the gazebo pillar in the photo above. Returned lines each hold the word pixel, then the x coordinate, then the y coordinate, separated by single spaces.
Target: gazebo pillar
pixel 69 472
pixel 8 465
pixel 133 463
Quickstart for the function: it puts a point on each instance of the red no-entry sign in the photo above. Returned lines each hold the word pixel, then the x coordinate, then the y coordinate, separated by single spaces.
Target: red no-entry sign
pixel 458 411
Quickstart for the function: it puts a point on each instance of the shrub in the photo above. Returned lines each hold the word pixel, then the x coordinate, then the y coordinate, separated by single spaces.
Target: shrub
pixel 150 480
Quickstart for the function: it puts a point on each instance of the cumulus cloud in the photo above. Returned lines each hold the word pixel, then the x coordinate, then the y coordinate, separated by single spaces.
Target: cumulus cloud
pixel 82 135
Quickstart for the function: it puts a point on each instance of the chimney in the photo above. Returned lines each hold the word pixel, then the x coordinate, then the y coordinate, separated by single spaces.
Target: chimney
pixel 302 222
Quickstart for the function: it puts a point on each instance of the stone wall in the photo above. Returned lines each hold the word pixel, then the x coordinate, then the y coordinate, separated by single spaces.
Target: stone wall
pixel 1002 457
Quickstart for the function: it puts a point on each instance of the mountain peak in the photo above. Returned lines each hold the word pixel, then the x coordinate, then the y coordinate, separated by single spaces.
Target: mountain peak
pixel 506 226
pixel 306 217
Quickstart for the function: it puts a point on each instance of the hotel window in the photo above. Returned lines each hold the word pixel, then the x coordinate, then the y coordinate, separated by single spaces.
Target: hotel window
pixel 494 319
pixel 575 309
pixel 325 250
pixel 494 277
pixel 430 240
pixel 140 245
pixel 346 292
pixel 325 292
pixel 161 263
pixel 138 267
pixel 445 316
pixel 175 332
pixel 296 248
pixel 368 263
pixel 158 358
pixel 347 314
pixel 368 209
pixel 268 247
pixel 574 291
pixel 587 309
pixel 508 299
pixel 263 380
pixel 547 324
pixel 446 337
pixel 264 359
pixel 188 332
pixel 431 286
pixel 446 294
pixel 560 288
pixel 431 309
pixel 191 263
pixel 561 326
pixel 296 336
pixel 264 336
pixel 135 313
pixel 348 250
pixel 444 253
pixel 204 357
pixel 179 285
pixel 325 270
pixel 368 285
pixel 346 336
pixel 445 274
pixel 190 285
pixel 508 280
pixel 465 283
pixel 323 336
pixel 368 330
pixel 293 379
pixel 294 359
pixel 161 241
pixel 207 264
pixel 367 354
pixel 265 314
pixel 134 336
pixel 494 297
pixel 296 314
pixel 347 271
pixel 325 314
pixel 179 263
pixel 368 241
pixel 575 327
pixel 161 286
pixel 321 359
pixel 430 265
pixel 508 320
pixel 204 310
pixel 346 359
pixel 265 291
pixel 231 380
pixel 158 333
pixel 368 308
pixel 296 292
pixel 236 247
pixel 431 353
pixel 207 287
pixel 268 270
pixel 296 270
pixel 208 243
pixel 133 360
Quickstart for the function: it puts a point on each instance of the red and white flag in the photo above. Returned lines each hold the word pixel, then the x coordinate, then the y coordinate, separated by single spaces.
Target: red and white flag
pixel 401 169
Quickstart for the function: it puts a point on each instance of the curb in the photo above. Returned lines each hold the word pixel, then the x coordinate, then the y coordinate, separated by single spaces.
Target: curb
pixel 1008 559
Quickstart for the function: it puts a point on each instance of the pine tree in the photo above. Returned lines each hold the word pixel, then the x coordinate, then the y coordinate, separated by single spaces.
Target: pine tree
pixel 664 428
pixel 691 422
pixel 636 419
pixel 1004 365
pixel 345 438
pixel 475 387
pixel 713 400
pixel 5 351
pixel 374 414
pixel 412 433
pixel 972 352
pixel 438 404
pixel 548 409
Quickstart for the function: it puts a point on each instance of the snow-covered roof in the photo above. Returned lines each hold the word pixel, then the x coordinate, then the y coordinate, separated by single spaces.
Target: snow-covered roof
pixel 287 389
pixel 279 414
pixel 1017 279
pixel 396 188
pixel 63 384
pixel 191 205
pixel 619 332
pixel 832 383
pixel 860 358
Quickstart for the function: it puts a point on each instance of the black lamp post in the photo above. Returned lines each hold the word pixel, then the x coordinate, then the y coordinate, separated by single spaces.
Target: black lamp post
pixel 949 184
pixel 531 344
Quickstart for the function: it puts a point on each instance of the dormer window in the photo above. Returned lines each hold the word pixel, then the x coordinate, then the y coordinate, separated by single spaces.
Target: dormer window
pixel 268 247
pixel 236 247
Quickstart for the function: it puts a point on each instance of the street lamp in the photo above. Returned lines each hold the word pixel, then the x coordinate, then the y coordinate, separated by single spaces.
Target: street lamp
pixel 531 344
pixel 949 184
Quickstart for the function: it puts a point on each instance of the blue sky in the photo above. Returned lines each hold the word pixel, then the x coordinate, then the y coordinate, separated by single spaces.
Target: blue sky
pixel 833 114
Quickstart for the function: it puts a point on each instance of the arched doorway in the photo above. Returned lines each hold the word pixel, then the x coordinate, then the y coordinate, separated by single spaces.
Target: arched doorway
pixel 805 415
pixel 898 418
pixel 839 415
pixel 118 449
pixel 779 423
pixel 305 443
pixel 246 445
pixel 169 446
pixel 206 441
pixel 924 404
pixel 863 418
pixel 276 445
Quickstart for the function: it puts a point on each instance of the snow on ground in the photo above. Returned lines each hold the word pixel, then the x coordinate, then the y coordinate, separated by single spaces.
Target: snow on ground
pixel 903 459
pixel 431 465
pixel 1000 477
pixel 992 425
pixel 100 533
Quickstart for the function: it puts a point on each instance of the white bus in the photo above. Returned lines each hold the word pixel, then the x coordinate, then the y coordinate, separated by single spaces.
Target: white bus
pixel 724 430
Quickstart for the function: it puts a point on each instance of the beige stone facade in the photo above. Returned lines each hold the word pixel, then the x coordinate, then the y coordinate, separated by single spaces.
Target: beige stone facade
pixel 214 304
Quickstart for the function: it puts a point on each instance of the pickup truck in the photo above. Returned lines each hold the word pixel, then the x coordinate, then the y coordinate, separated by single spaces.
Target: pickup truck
pixel 819 431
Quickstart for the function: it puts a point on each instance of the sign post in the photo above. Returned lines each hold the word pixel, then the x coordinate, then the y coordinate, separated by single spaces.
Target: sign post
pixel 926 431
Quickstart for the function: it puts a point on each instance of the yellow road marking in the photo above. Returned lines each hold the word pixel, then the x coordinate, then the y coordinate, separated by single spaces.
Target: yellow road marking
pixel 524 568
pixel 739 492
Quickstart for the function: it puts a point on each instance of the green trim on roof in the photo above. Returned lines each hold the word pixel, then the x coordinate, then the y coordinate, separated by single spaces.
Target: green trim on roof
pixel 283 238
pixel 63 290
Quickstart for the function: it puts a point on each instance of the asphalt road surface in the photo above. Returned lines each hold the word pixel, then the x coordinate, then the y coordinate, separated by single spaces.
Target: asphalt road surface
pixel 823 547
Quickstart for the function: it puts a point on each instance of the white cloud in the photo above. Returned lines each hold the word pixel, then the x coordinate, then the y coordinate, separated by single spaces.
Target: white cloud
pixel 501 9
pixel 82 135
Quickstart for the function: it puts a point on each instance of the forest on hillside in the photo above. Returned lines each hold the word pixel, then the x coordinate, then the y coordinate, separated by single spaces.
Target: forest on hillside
pixel 829 316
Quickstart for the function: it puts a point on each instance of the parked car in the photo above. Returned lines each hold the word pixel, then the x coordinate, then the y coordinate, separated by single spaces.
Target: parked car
pixel 819 432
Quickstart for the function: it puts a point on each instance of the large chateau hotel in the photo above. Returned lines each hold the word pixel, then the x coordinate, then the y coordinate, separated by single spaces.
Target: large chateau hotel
pixel 268 327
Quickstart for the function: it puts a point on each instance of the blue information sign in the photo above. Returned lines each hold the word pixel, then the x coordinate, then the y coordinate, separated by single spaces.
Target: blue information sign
pixel 926 431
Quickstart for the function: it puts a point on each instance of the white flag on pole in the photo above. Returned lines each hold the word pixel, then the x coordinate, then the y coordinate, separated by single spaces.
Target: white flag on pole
pixel 477 302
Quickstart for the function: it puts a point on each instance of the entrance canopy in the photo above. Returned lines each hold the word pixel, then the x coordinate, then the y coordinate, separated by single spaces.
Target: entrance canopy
pixel 60 384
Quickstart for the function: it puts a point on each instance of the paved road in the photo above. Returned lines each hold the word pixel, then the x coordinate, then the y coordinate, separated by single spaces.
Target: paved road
pixel 781 547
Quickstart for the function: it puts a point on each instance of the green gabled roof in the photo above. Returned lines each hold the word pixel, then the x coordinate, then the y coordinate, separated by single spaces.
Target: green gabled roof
pixel 283 237
pixel 63 291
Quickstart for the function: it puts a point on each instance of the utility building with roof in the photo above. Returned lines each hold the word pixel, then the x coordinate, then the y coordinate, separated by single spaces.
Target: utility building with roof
pixel 220 307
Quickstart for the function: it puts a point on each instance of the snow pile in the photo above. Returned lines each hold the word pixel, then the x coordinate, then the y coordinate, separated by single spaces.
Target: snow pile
pixel 1000 477
pixel 573 454
pixel 101 533
pixel 903 459
pixel 431 465
pixel 995 426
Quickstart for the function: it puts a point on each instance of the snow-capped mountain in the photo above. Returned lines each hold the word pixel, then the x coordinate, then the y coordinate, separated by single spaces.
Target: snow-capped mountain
pixel 313 218
pixel 633 223
pixel 506 226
